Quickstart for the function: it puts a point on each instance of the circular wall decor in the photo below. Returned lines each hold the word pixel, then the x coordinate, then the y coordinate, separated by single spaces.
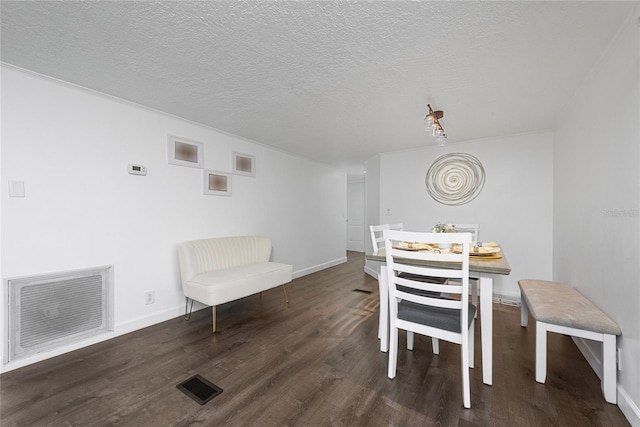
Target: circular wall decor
pixel 455 179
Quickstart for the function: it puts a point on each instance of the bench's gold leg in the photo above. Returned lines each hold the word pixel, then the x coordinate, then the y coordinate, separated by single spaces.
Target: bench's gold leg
pixel 286 297
pixel 187 314
pixel 213 314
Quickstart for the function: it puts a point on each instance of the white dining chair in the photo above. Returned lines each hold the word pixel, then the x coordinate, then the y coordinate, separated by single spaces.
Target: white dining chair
pixel 474 278
pixel 377 239
pixel 449 319
pixel 376 233
pixel 474 229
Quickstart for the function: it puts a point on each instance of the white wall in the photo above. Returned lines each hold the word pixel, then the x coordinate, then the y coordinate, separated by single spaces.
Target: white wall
pixel 513 209
pixel 82 209
pixel 597 201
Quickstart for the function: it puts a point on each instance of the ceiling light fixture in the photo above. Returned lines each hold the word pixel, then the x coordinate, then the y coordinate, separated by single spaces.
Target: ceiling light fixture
pixel 433 126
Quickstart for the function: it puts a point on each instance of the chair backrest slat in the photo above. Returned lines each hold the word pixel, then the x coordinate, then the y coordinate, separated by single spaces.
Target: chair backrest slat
pixel 433 302
pixel 428 271
pixel 431 287
pixel 474 229
pixel 426 256
pixel 377 239
pixel 455 265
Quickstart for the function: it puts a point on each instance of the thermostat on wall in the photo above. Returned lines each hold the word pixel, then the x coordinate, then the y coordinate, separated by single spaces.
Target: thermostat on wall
pixel 137 169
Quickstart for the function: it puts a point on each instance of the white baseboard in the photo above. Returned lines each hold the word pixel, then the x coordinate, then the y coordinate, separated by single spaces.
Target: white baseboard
pixel 150 320
pixel 371 272
pixel 628 407
pixel 138 323
pixel 120 329
pixel 506 299
pixel 57 352
pixel 593 355
pixel 319 267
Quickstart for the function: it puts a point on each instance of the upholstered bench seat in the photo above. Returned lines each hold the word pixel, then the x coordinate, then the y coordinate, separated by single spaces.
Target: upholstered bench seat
pixel 559 308
pixel 557 303
pixel 218 270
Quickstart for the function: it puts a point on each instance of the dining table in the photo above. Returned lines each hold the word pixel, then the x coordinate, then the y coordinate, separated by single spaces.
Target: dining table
pixel 486 267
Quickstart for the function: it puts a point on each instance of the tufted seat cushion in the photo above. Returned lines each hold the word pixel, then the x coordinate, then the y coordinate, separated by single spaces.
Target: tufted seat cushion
pixel 560 304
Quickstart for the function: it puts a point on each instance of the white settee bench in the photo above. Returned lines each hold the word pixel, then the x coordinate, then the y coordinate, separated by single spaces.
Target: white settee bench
pixel 219 270
pixel 559 308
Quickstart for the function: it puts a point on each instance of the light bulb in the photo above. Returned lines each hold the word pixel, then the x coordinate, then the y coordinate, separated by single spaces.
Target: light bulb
pixel 428 123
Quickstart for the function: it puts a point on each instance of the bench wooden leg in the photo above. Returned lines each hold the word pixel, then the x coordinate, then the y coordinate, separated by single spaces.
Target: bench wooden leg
pixel 524 311
pixel 609 368
pixel 213 315
pixel 286 296
pixel 541 352
pixel 609 376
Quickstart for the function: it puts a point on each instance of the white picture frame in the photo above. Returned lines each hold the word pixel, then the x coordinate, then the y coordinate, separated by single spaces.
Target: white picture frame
pixel 216 183
pixel 185 152
pixel 244 164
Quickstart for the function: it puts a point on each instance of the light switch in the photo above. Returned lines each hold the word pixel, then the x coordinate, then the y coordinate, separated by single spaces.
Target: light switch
pixel 16 188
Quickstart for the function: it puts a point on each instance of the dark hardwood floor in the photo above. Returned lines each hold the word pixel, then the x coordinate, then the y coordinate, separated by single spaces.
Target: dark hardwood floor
pixel 315 362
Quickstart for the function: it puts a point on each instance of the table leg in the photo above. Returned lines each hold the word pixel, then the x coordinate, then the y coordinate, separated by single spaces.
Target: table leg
pixel 383 326
pixel 486 327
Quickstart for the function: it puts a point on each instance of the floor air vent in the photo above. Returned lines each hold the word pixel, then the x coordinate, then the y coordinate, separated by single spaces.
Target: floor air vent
pixel 50 311
pixel 199 389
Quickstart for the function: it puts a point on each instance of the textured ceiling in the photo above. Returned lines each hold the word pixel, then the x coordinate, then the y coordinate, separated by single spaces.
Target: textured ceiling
pixel 333 81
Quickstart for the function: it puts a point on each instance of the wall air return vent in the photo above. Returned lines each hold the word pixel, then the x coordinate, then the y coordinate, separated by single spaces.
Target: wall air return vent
pixel 50 311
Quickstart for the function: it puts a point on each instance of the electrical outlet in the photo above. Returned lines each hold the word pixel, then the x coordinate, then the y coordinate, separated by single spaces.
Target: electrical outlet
pixel 618 353
pixel 388 211
pixel 149 297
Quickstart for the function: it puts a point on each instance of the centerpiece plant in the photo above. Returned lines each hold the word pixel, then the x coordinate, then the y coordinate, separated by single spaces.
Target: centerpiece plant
pixel 443 228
